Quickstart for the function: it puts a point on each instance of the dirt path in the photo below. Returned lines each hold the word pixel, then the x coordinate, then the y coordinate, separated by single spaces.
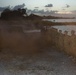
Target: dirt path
pixel 50 62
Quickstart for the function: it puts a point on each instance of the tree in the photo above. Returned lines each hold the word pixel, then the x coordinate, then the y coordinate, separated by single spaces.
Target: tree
pixel 5 13
pixel 24 11
pixel 9 14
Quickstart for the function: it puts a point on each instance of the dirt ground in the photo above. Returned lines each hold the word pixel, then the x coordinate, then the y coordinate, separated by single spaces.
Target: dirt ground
pixel 50 62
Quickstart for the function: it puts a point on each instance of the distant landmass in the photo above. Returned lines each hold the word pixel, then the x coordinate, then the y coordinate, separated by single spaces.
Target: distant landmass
pixel 21 13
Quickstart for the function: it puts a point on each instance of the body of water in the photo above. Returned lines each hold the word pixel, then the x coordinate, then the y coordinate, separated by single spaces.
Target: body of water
pixel 60 20
pixel 32 31
pixel 68 28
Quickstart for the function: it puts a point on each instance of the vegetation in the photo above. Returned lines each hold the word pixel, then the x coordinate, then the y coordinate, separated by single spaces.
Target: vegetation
pixel 12 14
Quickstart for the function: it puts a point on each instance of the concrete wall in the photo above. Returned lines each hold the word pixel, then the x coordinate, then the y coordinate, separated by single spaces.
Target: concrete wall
pixel 63 42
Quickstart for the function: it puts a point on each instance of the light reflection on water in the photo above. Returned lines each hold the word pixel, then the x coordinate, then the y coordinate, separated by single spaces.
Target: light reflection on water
pixel 31 31
pixel 68 28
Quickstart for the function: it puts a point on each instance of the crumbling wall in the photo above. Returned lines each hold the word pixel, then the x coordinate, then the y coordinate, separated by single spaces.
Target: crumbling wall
pixel 63 41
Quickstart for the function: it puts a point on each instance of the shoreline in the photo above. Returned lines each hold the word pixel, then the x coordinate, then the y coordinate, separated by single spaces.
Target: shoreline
pixel 35 22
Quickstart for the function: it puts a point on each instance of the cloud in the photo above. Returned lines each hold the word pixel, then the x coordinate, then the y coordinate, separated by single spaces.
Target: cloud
pixel 73 12
pixel 49 5
pixel 36 7
pixel 19 6
pixel 13 8
pixel 63 9
pixel 2 8
pixel 67 6
pixel 43 12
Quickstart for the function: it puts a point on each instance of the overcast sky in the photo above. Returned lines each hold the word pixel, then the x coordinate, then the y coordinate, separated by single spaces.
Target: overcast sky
pixel 60 5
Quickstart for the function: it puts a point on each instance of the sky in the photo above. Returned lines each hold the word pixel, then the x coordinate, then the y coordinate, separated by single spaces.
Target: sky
pixel 59 5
